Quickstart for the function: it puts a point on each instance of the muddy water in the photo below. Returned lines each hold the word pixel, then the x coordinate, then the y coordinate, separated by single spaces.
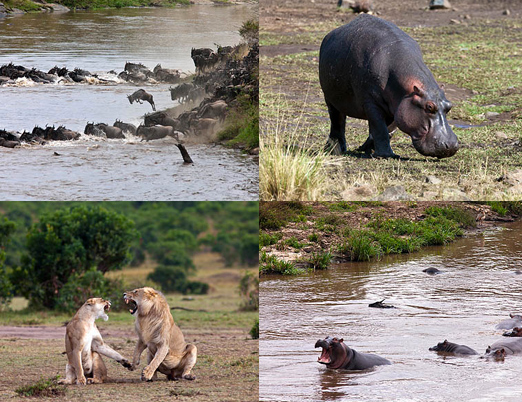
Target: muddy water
pixel 101 41
pixel 477 289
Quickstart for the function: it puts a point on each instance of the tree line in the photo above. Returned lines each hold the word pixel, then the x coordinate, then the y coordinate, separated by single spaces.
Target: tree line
pixel 56 253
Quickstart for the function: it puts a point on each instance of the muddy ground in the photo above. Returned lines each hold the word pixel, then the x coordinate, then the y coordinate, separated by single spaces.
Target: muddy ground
pixel 474 49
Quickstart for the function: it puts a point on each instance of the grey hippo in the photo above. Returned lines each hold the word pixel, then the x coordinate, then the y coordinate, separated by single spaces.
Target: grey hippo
pixel 453 348
pixel 510 323
pixel 337 355
pixel 504 347
pixel 370 69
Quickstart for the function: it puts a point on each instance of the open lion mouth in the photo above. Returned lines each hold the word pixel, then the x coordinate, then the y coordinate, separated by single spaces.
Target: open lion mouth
pixel 107 306
pixel 133 306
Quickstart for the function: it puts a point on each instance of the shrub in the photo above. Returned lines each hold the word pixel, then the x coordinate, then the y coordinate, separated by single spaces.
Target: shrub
pixel 266 239
pixel 254 332
pixel 83 286
pixel 360 246
pixel 320 260
pixel 43 388
pixel 463 217
pixel 270 264
pixel 174 279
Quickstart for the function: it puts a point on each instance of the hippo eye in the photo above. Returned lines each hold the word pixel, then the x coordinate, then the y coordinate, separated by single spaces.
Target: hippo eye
pixel 431 107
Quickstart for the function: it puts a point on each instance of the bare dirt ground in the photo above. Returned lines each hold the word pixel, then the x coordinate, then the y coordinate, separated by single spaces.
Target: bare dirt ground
pixel 473 49
pixel 226 369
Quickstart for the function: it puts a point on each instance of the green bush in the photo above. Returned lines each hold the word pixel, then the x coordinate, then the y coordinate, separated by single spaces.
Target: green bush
pixel 266 239
pixel 320 260
pixel 463 217
pixel 6 287
pixel 254 332
pixel 91 283
pixel 249 292
pixel 174 279
pixel 360 246
pixel 270 264
pixel 43 388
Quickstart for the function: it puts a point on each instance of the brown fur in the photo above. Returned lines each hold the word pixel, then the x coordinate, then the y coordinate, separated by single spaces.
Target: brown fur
pixel 167 351
pixel 84 345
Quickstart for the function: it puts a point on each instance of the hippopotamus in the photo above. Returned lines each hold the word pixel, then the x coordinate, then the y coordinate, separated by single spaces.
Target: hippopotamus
pixel 337 355
pixel 432 271
pixel 515 332
pixel 449 347
pixel 510 346
pixel 514 321
pixel 370 69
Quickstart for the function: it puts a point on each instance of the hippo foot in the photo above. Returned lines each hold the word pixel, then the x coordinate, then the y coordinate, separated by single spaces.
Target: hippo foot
pixel 333 147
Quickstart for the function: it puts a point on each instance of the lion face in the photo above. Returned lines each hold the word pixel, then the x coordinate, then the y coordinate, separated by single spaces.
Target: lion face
pixel 98 307
pixel 139 299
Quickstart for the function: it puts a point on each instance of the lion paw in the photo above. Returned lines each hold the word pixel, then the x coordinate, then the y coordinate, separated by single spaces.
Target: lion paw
pixel 125 363
pixel 190 377
pixel 81 381
pixel 146 374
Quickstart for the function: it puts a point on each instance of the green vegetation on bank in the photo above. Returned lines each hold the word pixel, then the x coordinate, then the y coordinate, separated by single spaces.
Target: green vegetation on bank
pixel 43 388
pixel 350 241
pixel 29 6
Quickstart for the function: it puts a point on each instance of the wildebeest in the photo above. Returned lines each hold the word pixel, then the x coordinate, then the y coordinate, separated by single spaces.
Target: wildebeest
pixel 166 74
pixel 109 131
pixel 204 59
pixel 181 92
pixel 141 95
pixel 161 119
pixel 127 127
pixel 155 132
pixel 213 110
pixel 55 134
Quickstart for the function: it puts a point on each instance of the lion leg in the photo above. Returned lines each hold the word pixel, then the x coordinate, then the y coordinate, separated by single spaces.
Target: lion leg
pixel 76 363
pixel 70 375
pixel 103 349
pixel 187 362
pixel 140 347
pixel 99 370
pixel 150 356
pixel 161 353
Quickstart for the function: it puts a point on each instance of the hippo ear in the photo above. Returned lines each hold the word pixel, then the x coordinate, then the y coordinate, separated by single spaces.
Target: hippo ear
pixel 441 86
pixel 419 92
pixel 511 315
pixel 341 340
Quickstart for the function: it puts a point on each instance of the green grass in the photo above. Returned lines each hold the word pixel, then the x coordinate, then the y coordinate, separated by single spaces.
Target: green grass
pixel 360 246
pixel 270 264
pixel 274 215
pixel 267 239
pixel 463 217
pixel 320 260
pixel 241 126
pixel 313 237
pixel 43 388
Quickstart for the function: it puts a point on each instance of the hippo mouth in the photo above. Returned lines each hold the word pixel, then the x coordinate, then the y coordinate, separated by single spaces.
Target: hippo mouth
pixel 133 306
pixel 325 354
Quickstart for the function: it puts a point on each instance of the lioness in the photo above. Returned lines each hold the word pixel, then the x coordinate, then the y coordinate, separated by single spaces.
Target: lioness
pixel 84 345
pixel 168 352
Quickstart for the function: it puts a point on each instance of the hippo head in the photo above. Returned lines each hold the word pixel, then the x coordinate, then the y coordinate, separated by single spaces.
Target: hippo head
pixel 422 115
pixel 334 352
pixel 441 346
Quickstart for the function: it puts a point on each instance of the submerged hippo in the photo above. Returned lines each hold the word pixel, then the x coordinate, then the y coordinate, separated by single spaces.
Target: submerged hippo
pixel 515 332
pixel 510 323
pixel 432 271
pixel 510 346
pixel 370 69
pixel 337 355
pixel 449 347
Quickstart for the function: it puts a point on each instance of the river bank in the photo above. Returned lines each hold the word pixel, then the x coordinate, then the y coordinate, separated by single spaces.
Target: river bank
pixel 296 237
pixel 18 7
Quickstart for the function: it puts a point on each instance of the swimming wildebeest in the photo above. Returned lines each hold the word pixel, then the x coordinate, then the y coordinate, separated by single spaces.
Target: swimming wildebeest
pixel 141 95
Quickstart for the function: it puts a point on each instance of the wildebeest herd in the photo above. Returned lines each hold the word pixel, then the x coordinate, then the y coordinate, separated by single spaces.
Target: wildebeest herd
pixel 337 355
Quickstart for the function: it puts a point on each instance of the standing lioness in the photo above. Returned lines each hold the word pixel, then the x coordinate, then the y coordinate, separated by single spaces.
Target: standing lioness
pixel 167 350
pixel 84 345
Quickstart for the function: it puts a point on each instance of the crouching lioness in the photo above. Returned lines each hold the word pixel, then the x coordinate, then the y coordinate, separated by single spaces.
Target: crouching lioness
pixel 84 345
pixel 167 351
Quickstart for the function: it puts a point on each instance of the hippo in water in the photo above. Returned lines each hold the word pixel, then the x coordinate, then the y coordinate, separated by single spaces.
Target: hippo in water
pixel 510 346
pixel 515 332
pixel 454 348
pixel 514 321
pixel 370 69
pixel 337 355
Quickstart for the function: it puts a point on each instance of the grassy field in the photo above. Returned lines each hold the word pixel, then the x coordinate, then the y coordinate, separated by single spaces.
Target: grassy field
pixel 479 63
pixel 227 367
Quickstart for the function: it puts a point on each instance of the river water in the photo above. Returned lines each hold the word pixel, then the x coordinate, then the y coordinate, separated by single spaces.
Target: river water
pixel 477 289
pixel 100 41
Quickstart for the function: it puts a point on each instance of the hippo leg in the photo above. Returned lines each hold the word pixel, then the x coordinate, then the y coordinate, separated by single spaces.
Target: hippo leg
pixel 368 145
pixel 379 133
pixel 337 129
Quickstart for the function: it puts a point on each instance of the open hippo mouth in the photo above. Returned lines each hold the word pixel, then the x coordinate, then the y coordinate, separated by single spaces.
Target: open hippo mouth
pixel 325 355
pixel 133 306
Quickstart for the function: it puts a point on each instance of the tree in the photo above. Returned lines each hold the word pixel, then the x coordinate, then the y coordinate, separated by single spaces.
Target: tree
pixel 6 288
pixel 72 241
